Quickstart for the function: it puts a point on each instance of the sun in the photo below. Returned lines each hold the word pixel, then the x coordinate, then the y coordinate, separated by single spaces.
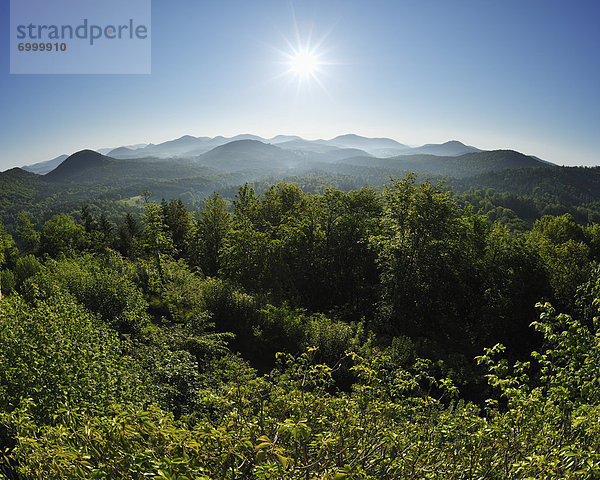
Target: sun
pixel 304 63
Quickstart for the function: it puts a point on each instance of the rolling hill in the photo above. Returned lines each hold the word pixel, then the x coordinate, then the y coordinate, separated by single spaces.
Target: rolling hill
pixel 460 166
pixel 80 166
pixel 568 185
pixel 452 148
pixel 371 145
pixel 248 155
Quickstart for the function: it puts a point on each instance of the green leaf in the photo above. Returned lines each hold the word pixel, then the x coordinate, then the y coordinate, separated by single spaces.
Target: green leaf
pixel 283 460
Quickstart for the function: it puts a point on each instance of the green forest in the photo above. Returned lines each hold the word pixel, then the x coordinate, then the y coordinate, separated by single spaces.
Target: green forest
pixel 297 331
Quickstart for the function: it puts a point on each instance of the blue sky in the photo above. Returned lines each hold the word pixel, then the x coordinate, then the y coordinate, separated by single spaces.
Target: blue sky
pixel 511 74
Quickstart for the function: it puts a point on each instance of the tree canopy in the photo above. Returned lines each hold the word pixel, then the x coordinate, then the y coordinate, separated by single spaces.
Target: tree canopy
pixel 281 333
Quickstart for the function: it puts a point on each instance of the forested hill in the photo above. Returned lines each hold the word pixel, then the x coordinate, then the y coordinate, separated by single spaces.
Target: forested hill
pixel 80 165
pixel 88 167
pixel 568 185
pixel 461 166
pixel 18 187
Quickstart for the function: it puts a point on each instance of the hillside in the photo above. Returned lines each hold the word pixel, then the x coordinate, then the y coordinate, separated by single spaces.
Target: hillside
pixel 82 165
pixel 248 155
pixel 365 143
pixel 452 166
pixel 569 185
pixel 19 187
pixel 453 148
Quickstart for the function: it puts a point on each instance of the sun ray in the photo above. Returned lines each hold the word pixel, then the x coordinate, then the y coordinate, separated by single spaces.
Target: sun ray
pixel 304 57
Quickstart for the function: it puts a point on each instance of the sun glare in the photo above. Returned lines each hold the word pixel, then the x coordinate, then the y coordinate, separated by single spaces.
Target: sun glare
pixel 304 63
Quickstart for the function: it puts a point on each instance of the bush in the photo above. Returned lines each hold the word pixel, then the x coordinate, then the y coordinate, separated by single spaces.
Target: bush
pixel 101 285
pixel 59 355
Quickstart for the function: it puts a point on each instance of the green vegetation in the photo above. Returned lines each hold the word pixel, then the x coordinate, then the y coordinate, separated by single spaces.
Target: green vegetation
pixel 276 332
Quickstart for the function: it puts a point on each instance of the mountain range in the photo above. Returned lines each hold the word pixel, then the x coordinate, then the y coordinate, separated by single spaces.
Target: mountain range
pixel 352 145
pixel 292 149
pixel 191 168
pixel 254 159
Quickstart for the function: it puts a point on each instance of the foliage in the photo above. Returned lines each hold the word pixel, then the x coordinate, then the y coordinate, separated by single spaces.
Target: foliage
pixel 99 283
pixel 27 235
pixel 8 251
pixel 562 246
pixel 57 354
pixel 431 263
pixel 394 424
pixel 212 226
pixel 26 267
pixel 61 234
pixel 178 222
pixel 329 339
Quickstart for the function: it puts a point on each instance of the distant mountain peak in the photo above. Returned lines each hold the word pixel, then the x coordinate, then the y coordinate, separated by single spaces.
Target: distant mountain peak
pixel 355 137
pixel 451 148
pixel 374 146
pixel 119 151
pixel 284 138
pixel 349 136
pixel 86 152
pixel 81 155
pixel 449 143
pixel 245 144
pixel 184 139
pixel 78 162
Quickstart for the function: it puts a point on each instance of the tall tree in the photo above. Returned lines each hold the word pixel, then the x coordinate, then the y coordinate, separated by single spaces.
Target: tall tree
pixel 157 239
pixel 561 243
pixel 348 276
pixel 179 222
pixel 245 203
pixel 61 234
pixel 89 222
pixel 106 230
pixel 213 224
pixel 129 232
pixel 426 256
pixel 7 249
pixel 27 236
pixel 245 254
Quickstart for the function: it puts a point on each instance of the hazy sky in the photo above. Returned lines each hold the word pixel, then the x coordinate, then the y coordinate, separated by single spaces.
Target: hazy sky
pixel 494 74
